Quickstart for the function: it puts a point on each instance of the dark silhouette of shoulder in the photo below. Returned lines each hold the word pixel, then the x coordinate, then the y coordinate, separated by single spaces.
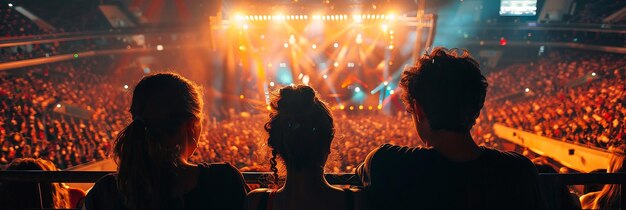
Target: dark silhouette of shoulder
pixel 220 186
pixel 403 177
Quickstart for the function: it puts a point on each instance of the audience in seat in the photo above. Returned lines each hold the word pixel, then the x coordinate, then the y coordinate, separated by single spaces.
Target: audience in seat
pixel 444 92
pixel 557 196
pixel 609 196
pixel 26 195
pixel 301 131
pixel 152 154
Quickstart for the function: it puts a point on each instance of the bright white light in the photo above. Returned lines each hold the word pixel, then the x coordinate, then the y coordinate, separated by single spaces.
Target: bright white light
pixel 357 89
pixel 10 5
pixel 314 46
pixel 359 39
pixel 336 64
pixel 391 92
pixel 283 65
pixel 350 64
pixel 385 27
pixel 245 26
pixel 388 88
pixel 325 76
pixel 300 76
pixel 286 45
pixel 306 79
pixel 292 39
pixel 336 45
pixel 125 86
pixel 160 47
pixel 385 83
pixel 527 90
pixel 391 47
pixel 593 74
pixel 272 84
pixel 58 105
pixel 391 16
pixel 262 36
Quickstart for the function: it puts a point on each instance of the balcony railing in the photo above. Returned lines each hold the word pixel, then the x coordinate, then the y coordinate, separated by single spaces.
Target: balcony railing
pixel 262 178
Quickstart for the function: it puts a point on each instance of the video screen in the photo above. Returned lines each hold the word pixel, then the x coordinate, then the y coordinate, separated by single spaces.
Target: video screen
pixel 518 8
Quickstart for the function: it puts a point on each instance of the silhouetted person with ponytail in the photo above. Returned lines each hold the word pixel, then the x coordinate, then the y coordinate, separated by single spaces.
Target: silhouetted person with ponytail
pixel 300 134
pixel 444 93
pixel 152 155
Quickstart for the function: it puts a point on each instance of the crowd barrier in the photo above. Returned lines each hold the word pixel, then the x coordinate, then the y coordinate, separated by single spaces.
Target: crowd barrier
pixel 262 178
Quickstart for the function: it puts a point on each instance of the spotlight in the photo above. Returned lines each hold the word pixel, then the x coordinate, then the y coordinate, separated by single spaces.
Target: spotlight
pixel 351 107
pixel 359 39
pixel 342 107
pixel 325 76
pixel 357 89
pixel 58 105
pixel 292 39
pixel 286 45
pixel 385 83
pixel 245 26
pixel 10 5
pixel 593 74
pixel 336 45
pixel 360 107
pixel 272 84
pixel 125 86
pixel 527 90
pixel 380 106
pixel 391 92
pixel 314 46
pixel 241 96
pixel 388 88
pixel 336 64
pixel 268 107
pixel 384 27
pixel 160 47
pixel 391 47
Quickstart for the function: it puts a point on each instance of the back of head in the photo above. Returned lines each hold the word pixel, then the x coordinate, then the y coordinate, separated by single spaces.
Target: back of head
pixel 26 195
pixel 448 87
pixel 151 146
pixel 300 128
pixel 609 196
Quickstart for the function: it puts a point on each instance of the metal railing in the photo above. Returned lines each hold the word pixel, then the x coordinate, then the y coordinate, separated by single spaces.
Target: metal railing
pixel 262 178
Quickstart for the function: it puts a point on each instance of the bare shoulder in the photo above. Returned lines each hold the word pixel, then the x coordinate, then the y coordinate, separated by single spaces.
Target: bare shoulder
pixel 253 200
pixel 586 201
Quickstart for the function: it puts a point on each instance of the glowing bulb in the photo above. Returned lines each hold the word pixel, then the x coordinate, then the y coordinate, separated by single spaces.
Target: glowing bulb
pixel 380 106
pixel 360 107
pixel 385 83
pixel 593 74
pixel 241 96
pixel 336 64
pixel 272 84
pixel 160 47
pixel 527 90
pixel 384 27
pixel 325 76
pixel 314 46
pixel 336 45
pixel 286 45
pixel 245 26
pixel 58 105
pixel 391 92
pixel 391 47
pixel 357 89
pixel 125 86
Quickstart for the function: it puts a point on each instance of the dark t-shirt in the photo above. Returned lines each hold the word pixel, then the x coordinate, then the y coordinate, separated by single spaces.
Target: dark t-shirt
pixel 220 186
pixel 418 178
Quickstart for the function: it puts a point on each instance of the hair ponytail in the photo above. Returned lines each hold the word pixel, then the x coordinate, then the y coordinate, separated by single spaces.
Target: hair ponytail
pixel 149 149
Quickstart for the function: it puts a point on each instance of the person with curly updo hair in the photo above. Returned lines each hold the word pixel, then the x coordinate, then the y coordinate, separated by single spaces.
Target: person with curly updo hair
pixel 300 132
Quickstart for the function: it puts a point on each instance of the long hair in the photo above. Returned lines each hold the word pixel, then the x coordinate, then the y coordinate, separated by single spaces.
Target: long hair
pixel 609 196
pixel 27 195
pixel 300 129
pixel 150 147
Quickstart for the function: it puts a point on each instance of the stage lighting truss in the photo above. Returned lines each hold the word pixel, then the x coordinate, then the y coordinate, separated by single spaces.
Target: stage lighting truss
pixel 425 20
